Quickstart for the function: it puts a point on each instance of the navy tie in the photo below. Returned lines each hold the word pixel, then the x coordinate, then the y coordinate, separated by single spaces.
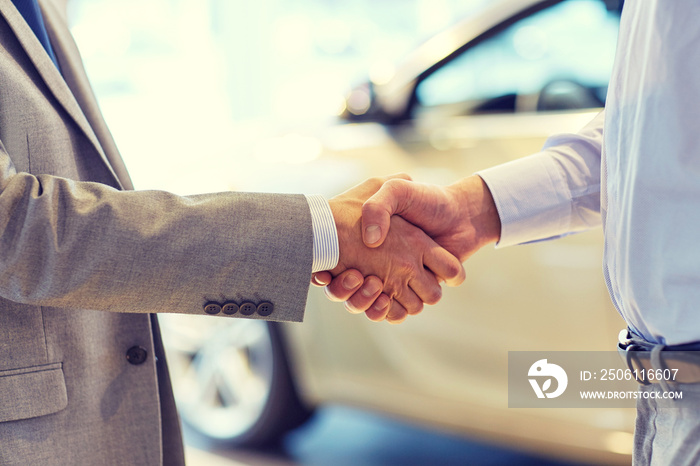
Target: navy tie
pixel 32 15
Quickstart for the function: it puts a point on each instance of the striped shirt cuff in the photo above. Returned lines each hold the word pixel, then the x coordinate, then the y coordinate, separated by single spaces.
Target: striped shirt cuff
pixel 326 252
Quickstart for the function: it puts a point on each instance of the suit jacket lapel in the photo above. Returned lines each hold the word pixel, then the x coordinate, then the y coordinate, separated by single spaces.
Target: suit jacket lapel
pixel 74 74
pixel 63 47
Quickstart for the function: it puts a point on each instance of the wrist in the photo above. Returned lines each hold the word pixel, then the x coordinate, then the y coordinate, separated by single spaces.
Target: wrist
pixel 478 208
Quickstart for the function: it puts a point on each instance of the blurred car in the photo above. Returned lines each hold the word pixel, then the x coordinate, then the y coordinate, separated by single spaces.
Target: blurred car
pixel 489 90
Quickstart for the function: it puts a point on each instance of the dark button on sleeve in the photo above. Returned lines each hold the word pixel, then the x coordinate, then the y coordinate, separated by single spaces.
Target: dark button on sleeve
pixel 247 309
pixel 136 355
pixel 229 308
pixel 212 308
pixel 265 309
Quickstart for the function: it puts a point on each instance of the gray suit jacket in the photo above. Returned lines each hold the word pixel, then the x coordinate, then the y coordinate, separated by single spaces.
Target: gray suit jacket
pixel 83 263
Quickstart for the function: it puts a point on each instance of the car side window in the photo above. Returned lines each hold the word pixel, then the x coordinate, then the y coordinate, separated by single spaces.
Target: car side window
pixel 559 58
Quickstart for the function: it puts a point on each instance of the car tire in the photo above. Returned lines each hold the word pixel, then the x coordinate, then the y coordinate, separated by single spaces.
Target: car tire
pixel 232 380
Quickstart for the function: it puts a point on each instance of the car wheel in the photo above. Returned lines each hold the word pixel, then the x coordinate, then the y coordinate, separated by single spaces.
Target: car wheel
pixel 231 379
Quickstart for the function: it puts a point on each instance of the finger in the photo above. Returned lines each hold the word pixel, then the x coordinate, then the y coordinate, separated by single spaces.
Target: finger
pixel 444 265
pixel 409 301
pixel 344 285
pixel 426 287
pixel 379 309
pixel 363 299
pixel 397 313
pixel 321 278
pixel 378 209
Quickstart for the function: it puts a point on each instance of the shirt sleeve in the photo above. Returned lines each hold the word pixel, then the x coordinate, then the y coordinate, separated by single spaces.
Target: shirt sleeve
pixel 552 193
pixel 326 253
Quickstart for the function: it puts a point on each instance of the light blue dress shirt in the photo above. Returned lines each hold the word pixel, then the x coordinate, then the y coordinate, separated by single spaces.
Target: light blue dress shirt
pixel 636 169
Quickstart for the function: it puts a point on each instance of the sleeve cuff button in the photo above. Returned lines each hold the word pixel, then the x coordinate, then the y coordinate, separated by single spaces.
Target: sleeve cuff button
pixel 212 308
pixel 229 308
pixel 265 309
pixel 247 309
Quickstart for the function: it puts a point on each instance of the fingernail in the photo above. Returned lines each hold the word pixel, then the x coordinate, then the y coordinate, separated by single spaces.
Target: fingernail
pixel 316 281
pixel 380 305
pixel 373 233
pixel 351 282
pixel 370 289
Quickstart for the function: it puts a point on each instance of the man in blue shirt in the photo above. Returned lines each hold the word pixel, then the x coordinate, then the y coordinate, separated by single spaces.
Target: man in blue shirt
pixel 635 169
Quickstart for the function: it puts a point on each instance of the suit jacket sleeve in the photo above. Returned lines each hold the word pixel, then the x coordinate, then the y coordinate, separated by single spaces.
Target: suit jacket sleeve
pixel 85 245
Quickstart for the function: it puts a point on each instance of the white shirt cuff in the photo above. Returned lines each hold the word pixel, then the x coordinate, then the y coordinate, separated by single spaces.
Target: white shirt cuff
pixel 532 199
pixel 326 253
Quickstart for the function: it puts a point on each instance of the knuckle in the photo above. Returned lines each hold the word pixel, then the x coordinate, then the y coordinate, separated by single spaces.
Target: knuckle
pixel 371 206
pixel 401 176
pixel 376 181
pixel 402 270
pixel 395 185
pixel 434 296
pixel 392 287
pixel 406 264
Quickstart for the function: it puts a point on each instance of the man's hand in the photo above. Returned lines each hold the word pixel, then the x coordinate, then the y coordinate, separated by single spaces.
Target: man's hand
pixel 461 217
pixel 408 262
pixel 359 293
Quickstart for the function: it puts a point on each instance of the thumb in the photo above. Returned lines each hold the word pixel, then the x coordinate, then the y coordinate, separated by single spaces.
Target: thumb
pixel 321 278
pixel 391 198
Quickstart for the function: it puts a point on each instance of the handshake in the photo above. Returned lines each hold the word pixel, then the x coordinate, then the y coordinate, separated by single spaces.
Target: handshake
pixel 399 240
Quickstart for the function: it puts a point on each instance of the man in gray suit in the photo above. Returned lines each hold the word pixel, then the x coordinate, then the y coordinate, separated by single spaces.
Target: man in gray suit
pixel 85 261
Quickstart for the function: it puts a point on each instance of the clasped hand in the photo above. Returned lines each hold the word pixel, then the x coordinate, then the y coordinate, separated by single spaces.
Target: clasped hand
pixel 399 239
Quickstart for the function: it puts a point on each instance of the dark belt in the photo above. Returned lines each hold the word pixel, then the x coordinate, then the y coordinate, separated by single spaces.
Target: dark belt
pixel 644 358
